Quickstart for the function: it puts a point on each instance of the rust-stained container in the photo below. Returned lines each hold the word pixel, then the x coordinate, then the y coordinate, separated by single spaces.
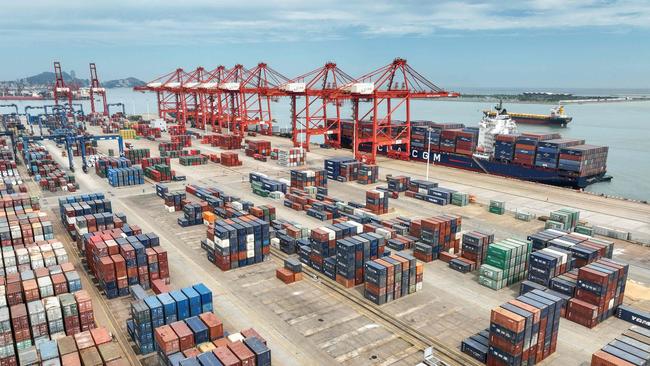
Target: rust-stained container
pixel 191 352
pixel 101 335
pixel 71 359
pixel 166 339
pixel 243 353
pixel 227 358
pixel 90 357
pixel 109 351
pixel 221 342
pixel 30 290
pixel 66 345
pixel 67 267
pixel 14 293
pixel 215 326
pixel 84 340
pixel 185 335
pixel 508 320
pixel 250 332
pixel 83 301
pixel 20 322
pixel 60 284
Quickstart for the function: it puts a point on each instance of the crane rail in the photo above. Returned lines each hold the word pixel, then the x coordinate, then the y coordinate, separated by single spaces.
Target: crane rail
pixel 447 356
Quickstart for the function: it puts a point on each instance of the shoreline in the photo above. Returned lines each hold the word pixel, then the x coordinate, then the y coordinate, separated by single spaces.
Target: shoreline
pixel 495 99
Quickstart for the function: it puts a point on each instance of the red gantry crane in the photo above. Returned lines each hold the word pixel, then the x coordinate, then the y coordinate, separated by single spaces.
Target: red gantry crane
pixel 60 89
pixel 96 89
pixel 169 101
pixel 249 97
pixel 321 112
pixel 211 100
pixel 387 123
pixel 187 94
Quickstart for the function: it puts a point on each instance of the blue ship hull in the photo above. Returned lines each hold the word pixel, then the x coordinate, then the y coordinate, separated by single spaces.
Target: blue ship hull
pixel 505 169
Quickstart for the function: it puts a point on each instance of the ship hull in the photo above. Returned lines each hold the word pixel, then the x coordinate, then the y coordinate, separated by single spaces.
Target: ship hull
pixel 504 169
pixel 557 121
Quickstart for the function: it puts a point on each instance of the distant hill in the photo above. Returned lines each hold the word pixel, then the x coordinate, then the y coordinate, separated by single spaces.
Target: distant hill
pixel 47 78
pixel 123 83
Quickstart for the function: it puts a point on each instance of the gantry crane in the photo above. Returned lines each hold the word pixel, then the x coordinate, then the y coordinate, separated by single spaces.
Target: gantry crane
pixel 211 100
pixel 249 97
pixel 96 89
pixel 321 112
pixel 170 102
pixel 387 122
pixel 60 89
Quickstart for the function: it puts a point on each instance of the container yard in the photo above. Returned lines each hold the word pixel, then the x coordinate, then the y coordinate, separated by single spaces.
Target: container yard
pixel 225 247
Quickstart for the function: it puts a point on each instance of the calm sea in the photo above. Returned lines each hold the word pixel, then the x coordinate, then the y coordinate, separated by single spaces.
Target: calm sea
pixel 624 127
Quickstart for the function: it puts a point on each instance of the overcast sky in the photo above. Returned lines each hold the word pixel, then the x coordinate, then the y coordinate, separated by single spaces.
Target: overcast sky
pixel 526 43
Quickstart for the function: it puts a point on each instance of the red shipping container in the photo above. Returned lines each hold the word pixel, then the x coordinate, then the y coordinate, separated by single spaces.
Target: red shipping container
pixel 185 335
pixel 243 353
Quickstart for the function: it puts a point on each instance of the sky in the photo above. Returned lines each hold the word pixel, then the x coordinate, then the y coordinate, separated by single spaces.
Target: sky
pixel 508 43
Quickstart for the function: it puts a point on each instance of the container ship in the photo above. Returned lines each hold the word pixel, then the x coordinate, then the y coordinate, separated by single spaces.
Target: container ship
pixel 556 118
pixel 496 147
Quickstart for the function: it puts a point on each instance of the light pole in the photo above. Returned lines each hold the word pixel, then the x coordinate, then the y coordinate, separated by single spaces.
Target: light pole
pixel 428 150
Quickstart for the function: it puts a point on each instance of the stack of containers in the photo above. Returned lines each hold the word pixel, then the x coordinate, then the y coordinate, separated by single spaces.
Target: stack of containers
pixel 225 141
pixel 238 242
pixel 47 172
pixel 600 290
pixel 181 139
pixel 149 313
pixel 244 348
pixel 525 149
pixel 477 345
pixel 473 251
pixel 192 215
pixel 262 185
pixel 333 166
pixel 193 160
pixel 118 261
pixel 497 207
pixel 168 149
pixel 137 156
pixel 524 330
pixel 399 183
pixel 506 263
pixel 377 201
pixel 547 263
pixel 159 173
pixel 448 139
pixel 368 174
pixel 392 277
pixel 291 272
pixel 583 160
pixel 466 141
pixel 504 147
pixel 308 178
pixel 102 165
pixel 584 249
pixel 351 254
pixel 292 157
pixel 436 235
pixel 119 177
pixel 230 159
pixel 128 134
pixel 630 348
pixel 566 218
pixel 548 152
pixel 261 147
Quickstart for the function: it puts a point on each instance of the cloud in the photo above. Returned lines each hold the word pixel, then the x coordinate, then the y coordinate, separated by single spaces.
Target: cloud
pixel 204 22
